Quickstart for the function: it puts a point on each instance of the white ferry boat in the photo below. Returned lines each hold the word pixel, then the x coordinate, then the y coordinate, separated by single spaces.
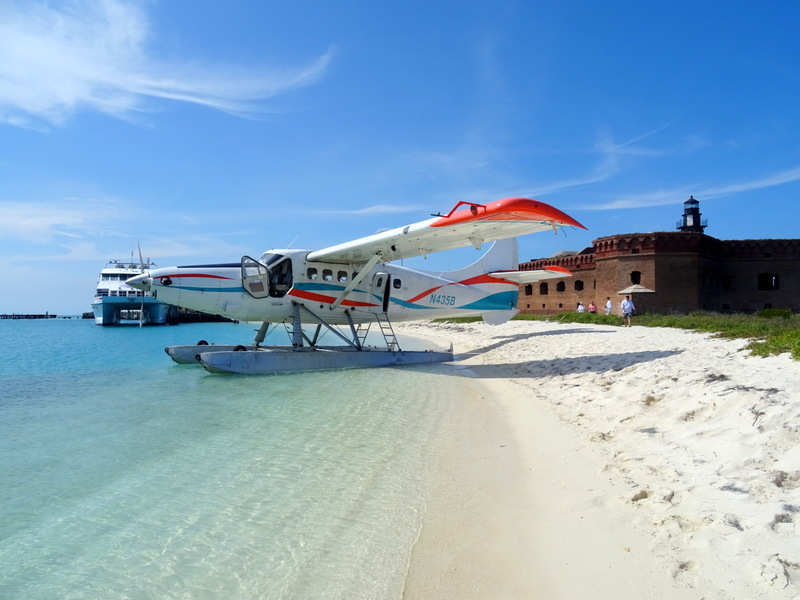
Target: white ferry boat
pixel 116 302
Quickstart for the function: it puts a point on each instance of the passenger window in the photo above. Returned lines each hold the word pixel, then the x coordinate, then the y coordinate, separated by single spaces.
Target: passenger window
pixel 311 273
pixel 396 284
pixel 342 275
pixel 327 275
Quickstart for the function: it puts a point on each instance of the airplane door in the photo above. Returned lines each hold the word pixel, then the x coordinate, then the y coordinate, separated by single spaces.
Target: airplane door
pixel 380 291
pixel 255 278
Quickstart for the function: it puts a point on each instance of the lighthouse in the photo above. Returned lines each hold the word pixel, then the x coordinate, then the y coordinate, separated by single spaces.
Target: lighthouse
pixel 691 222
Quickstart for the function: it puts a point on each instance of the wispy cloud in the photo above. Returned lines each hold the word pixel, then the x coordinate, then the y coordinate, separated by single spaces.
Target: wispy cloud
pixel 51 220
pixel 59 58
pixel 611 156
pixel 667 196
pixel 377 209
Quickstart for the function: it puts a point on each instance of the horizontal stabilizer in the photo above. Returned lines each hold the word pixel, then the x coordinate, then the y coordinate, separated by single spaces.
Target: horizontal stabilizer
pixel 552 272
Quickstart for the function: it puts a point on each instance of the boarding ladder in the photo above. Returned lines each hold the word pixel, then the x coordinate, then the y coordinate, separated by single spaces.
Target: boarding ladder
pixel 388 333
pixel 389 338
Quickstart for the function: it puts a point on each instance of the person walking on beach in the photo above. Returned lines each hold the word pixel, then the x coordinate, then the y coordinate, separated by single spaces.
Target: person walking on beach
pixel 627 310
pixel 609 306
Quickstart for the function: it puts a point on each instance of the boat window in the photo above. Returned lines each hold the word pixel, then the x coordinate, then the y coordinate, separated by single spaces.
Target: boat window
pixel 341 275
pixel 327 275
pixel 311 273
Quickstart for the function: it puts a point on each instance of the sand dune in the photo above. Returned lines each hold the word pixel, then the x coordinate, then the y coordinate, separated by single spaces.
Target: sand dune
pixel 603 462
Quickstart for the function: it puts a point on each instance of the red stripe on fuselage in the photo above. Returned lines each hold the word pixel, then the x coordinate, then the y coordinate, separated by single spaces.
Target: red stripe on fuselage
pixel 325 299
pixel 206 275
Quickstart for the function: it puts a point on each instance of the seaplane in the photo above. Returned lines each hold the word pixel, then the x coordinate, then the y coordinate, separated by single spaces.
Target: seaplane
pixel 350 287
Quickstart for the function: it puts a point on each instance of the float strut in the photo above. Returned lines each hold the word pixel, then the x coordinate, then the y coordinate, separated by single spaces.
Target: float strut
pixel 261 333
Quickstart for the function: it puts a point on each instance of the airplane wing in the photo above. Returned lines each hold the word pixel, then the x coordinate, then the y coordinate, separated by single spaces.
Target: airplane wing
pixel 473 225
pixel 551 272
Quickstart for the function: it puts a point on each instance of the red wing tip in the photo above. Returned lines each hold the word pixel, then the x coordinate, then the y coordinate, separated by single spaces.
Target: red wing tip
pixel 540 207
pixel 523 209
pixel 558 269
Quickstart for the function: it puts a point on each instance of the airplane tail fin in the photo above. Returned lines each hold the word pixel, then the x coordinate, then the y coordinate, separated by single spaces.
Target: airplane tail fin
pixel 501 263
pixel 502 256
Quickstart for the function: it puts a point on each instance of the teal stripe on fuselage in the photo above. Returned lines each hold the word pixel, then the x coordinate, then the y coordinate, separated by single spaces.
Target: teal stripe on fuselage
pixel 328 287
pixel 188 288
pixel 498 301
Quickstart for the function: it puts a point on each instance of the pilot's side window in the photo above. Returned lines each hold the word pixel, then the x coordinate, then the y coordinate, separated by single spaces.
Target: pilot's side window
pixel 311 273
pixel 327 275
pixel 342 275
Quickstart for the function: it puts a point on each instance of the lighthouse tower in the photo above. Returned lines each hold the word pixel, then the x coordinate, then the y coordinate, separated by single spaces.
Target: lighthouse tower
pixel 691 222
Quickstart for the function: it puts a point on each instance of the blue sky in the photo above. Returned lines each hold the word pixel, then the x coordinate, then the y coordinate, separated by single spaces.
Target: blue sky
pixel 207 130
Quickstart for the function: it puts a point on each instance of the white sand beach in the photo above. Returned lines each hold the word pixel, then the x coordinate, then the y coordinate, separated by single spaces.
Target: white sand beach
pixel 597 462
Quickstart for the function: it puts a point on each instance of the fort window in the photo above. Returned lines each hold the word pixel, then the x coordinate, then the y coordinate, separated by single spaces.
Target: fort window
pixel 529 290
pixel 578 285
pixel 768 281
pixel 543 289
pixel 728 283
pixel 561 286
pixel 636 277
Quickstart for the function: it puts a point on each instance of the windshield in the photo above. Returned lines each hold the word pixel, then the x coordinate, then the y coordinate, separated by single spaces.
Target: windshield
pixel 269 258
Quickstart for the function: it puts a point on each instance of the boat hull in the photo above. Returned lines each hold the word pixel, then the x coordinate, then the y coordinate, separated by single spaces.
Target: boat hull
pixel 110 310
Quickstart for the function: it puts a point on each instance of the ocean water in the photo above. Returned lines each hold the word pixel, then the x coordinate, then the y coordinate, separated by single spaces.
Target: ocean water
pixel 125 475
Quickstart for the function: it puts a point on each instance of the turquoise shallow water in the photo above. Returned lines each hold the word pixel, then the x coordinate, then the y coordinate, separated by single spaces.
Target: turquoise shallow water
pixel 124 475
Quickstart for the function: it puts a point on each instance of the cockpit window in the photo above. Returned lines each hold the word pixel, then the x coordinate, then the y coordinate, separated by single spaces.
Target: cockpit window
pixel 269 258
pixel 280 277
pixel 269 276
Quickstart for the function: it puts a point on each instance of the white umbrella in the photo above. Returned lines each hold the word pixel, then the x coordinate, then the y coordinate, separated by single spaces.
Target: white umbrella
pixel 635 289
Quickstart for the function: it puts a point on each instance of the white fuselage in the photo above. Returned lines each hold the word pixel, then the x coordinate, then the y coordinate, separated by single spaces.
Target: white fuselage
pixel 268 288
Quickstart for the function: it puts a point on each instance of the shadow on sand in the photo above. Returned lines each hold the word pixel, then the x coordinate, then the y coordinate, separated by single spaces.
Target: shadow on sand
pixel 557 367
pixel 510 339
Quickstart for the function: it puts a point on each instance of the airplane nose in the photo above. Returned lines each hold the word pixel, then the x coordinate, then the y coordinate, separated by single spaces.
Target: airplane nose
pixel 141 282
